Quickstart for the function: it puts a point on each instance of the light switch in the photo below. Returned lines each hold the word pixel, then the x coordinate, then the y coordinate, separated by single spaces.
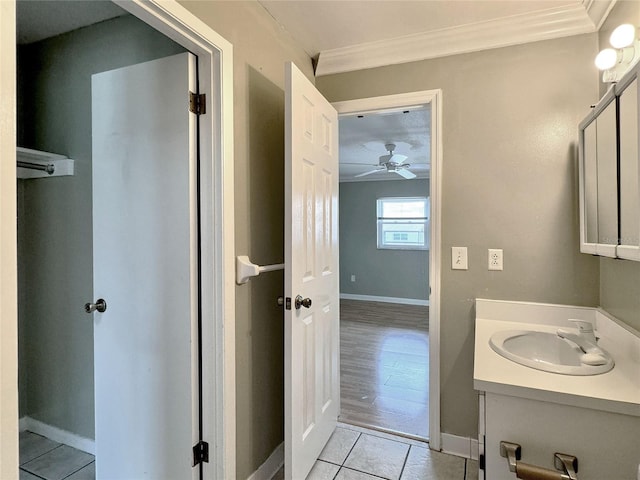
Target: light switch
pixel 459 258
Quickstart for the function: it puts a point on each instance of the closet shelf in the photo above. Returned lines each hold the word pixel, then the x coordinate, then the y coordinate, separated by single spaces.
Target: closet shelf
pixel 37 164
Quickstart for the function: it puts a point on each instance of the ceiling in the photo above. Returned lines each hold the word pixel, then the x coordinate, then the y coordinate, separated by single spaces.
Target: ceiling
pixel 37 19
pixel 363 139
pixel 357 34
pixel 345 35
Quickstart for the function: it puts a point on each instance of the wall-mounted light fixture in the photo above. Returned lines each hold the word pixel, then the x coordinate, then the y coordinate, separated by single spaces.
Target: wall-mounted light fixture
pixel 614 62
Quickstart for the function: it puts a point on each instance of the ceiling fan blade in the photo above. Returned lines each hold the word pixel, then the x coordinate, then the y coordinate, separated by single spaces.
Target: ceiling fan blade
pixel 403 172
pixel 369 172
pixel 397 159
pixel 360 164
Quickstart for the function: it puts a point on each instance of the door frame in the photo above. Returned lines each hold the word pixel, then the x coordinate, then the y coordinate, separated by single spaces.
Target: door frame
pixel 215 65
pixel 403 100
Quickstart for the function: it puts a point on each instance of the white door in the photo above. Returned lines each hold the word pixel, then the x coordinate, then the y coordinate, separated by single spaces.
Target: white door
pixel 145 268
pixel 312 388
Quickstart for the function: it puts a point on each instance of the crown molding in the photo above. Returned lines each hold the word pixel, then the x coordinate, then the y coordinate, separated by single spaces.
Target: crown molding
pixel 598 10
pixel 546 24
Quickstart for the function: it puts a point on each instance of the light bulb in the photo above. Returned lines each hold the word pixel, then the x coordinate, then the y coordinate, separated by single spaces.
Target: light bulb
pixel 606 59
pixel 623 36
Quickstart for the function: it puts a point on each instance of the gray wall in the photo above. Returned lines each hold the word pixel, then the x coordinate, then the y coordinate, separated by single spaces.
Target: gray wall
pixel 55 223
pixel 509 181
pixel 620 279
pixel 384 273
pixel 260 49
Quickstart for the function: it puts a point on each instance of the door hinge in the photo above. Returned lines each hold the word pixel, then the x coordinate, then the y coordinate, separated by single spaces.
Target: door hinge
pixel 200 453
pixel 197 103
pixel 481 463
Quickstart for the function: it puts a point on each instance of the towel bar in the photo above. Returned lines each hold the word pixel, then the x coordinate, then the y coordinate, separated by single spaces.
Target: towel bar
pixel 245 269
pixel 566 464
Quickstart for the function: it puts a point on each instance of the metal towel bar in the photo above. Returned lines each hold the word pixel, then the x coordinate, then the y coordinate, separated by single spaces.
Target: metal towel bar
pixel 567 465
pixel 245 269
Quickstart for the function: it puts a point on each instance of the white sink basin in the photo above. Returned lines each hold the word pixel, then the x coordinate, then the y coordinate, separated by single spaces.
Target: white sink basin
pixel 548 352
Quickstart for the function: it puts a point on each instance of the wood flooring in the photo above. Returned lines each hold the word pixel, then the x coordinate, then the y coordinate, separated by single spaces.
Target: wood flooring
pixel 384 366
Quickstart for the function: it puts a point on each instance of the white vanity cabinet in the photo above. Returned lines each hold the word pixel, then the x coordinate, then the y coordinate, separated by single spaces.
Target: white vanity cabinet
pixel 595 418
pixel 627 92
pixel 610 173
pixel 605 443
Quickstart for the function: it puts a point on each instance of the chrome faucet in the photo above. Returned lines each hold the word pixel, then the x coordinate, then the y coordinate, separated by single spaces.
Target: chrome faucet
pixel 586 340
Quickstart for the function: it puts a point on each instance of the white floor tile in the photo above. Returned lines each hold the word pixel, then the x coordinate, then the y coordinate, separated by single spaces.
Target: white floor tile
pixel 323 471
pixel 348 474
pixel 378 456
pixel 339 446
pixel 33 445
pixel 27 476
pixel 86 473
pixel 472 470
pixel 425 464
pixel 58 463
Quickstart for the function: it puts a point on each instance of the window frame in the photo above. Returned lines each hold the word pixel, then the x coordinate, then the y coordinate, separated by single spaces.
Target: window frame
pixel 381 221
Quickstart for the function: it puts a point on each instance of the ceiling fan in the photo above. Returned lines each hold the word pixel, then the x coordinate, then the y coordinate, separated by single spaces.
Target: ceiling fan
pixel 392 162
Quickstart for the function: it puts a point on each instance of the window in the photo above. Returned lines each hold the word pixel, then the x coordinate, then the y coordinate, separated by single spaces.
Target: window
pixel 403 223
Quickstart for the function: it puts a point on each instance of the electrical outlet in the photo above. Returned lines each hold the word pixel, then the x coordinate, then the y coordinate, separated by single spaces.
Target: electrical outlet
pixel 353 278
pixel 495 259
pixel 459 258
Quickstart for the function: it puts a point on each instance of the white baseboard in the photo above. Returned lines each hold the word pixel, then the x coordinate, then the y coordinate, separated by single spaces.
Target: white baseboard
pixel 58 435
pixel 374 298
pixel 461 446
pixel 268 469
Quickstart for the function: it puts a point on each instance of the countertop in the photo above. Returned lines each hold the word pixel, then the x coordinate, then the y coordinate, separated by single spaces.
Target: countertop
pixel 616 391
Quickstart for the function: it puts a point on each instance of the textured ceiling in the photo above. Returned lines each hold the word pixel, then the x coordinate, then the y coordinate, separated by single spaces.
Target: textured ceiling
pixel 363 139
pixel 320 25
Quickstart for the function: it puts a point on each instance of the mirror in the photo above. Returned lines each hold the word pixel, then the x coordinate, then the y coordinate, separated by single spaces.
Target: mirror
pixel 629 174
pixel 590 179
pixel 607 176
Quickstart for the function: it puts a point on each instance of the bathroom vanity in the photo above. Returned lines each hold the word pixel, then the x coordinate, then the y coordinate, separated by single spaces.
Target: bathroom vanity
pixel 595 418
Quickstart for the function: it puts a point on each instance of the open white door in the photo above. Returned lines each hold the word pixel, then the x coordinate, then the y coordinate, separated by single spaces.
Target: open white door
pixel 312 386
pixel 145 268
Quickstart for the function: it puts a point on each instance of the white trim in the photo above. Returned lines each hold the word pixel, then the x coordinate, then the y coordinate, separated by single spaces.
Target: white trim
pixel 271 465
pixel 215 58
pixel 562 21
pixel 58 435
pixel 8 246
pixel 628 252
pixel 598 10
pixel 375 298
pixel 215 68
pixel 460 446
pixel 433 97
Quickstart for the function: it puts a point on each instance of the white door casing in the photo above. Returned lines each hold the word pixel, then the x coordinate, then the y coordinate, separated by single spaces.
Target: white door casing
pixel 145 267
pixel 434 99
pixel 312 388
pixel 215 58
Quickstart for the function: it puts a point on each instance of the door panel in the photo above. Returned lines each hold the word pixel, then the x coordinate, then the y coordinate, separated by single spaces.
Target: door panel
pixel 145 267
pixel 312 393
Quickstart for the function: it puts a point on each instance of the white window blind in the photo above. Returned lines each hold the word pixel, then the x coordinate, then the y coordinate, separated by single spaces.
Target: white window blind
pixel 403 223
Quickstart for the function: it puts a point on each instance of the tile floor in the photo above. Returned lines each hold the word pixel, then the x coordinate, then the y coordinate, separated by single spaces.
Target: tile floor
pixel 41 458
pixel 355 453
